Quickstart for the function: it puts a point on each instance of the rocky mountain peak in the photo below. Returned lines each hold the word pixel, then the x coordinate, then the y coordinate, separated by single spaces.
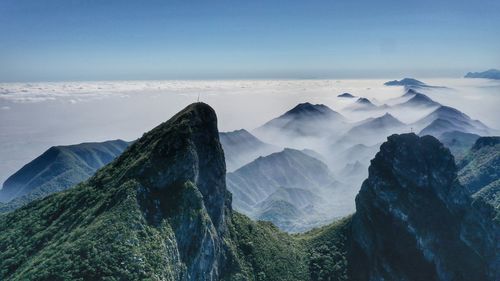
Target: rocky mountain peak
pixel 185 148
pixel 412 199
pixel 418 162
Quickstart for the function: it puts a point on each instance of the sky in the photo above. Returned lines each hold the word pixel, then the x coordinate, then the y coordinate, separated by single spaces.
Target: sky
pixel 72 40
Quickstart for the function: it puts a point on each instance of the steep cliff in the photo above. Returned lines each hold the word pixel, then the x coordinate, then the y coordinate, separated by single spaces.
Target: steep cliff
pixel 414 221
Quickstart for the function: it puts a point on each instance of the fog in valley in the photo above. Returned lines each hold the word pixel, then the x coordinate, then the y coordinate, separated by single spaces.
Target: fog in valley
pixel 327 153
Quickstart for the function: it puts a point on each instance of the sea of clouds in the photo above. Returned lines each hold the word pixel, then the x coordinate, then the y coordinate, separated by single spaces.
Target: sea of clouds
pixel 35 116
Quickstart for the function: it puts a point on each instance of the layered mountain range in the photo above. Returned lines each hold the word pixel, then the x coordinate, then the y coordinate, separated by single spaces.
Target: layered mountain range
pixel 310 130
pixel 162 211
pixel 286 188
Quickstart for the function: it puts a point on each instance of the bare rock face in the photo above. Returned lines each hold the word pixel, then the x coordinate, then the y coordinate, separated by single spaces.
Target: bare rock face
pixel 414 221
pixel 186 148
pixel 180 170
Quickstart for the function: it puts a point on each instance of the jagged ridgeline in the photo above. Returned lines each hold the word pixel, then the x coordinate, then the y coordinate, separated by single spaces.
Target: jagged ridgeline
pixel 161 211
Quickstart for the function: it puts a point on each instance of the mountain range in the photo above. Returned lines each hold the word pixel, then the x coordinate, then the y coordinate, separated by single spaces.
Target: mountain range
pixel 285 187
pixel 346 149
pixel 161 211
pixel 410 82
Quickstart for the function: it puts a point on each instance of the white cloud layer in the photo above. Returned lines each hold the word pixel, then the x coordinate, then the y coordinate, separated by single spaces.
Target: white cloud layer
pixel 34 116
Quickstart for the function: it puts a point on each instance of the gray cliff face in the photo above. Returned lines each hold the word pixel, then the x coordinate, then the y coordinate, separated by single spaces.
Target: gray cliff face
pixel 414 221
pixel 180 172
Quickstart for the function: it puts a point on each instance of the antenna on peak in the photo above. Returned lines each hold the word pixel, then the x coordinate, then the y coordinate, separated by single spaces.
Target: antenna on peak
pixel 411 130
pixel 198 100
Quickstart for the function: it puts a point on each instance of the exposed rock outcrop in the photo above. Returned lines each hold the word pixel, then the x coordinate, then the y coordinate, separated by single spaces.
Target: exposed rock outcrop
pixel 414 221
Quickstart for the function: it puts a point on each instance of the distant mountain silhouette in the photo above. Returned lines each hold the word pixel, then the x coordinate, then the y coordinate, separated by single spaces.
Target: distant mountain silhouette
pixel 410 83
pixel 376 125
pixel 241 147
pixel 488 74
pixel 372 131
pixel 448 119
pixel 364 104
pixel 345 95
pixel 417 101
pixel 58 168
pixel 305 119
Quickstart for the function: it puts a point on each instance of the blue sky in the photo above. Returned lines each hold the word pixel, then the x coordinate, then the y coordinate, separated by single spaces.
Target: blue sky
pixel 119 40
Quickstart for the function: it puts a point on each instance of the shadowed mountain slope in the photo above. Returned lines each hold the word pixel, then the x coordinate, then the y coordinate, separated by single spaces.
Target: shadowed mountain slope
pixel 58 168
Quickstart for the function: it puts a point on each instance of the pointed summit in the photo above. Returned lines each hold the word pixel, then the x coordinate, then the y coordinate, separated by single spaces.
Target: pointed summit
pixel 191 138
pixel 362 104
pixel 386 121
pixel 159 211
pixel 345 95
pixel 305 119
pixel 304 110
pixel 418 101
pixel 364 101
